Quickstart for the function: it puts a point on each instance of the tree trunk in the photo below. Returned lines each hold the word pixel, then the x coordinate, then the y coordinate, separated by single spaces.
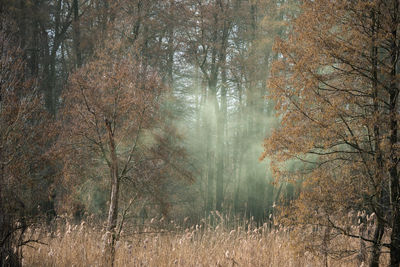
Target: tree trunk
pixel 394 178
pixel 376 248
pixel 325 246
pixel 379 168
pixel 219 197
pixel 221 113
pixel 239 148
pixel 8 255
pixel 113 209
pixel 170 58
pixel 77 35
pixel 210 174
pixel 362 254
pixel 211 98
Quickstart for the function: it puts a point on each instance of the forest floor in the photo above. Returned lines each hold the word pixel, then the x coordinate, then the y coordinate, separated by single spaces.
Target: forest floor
pixel 81 245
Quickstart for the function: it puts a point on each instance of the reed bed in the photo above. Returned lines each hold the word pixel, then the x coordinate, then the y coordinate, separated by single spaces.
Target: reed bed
pixel 198 245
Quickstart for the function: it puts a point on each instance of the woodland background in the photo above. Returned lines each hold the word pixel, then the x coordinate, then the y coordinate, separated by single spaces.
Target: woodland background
pixel 277 119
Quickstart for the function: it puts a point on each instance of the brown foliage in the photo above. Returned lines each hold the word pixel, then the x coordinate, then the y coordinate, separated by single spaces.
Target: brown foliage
pixel 113 128
pixel 25 167
pixel 335 94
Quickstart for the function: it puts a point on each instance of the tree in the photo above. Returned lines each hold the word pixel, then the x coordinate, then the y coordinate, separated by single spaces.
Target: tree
pixel 336 88
pixel 207 34
pixel 25 183
pixel 221 60
pixel 110 108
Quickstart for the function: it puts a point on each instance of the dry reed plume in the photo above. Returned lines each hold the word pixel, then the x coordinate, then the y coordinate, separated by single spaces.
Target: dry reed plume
pixel 81 245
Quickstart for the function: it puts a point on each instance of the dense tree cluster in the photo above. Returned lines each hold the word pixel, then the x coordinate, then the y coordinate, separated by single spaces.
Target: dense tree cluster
pixel 336 89
pixel 158 108
pixel 128 96
pixel 26 175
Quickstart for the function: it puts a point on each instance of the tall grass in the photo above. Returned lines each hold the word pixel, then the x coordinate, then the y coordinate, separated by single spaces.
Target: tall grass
pixel 199 245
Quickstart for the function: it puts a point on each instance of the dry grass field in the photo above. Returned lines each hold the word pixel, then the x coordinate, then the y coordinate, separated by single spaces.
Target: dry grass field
pixel 80 245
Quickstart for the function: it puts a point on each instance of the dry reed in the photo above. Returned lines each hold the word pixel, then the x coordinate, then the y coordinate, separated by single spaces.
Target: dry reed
pixel 204 245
